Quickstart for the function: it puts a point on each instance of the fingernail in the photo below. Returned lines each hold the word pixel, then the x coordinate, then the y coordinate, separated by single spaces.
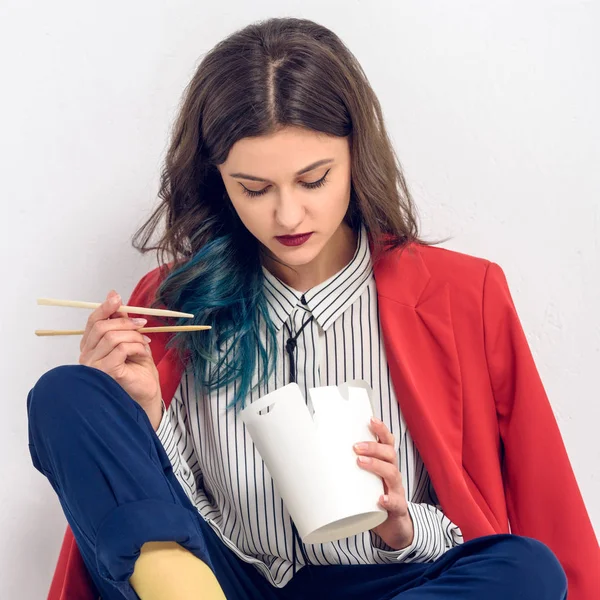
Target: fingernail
pixel 360 447
pixel 148 350
pixel 386 499
pixel 375 421
pixel 364 459
pixel 116 299
pixel 139 321
pixel 147 339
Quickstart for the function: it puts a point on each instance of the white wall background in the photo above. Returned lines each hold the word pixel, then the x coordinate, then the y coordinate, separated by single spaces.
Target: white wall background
pixel 493 108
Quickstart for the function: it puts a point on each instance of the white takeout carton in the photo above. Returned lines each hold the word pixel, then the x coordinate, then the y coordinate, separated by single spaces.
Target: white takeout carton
pixel 312 461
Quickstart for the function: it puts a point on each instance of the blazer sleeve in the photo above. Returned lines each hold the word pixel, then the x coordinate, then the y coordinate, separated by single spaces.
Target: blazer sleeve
pixel 542 495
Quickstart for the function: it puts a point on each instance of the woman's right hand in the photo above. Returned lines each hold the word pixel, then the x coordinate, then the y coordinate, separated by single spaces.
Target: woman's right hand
pixel 112 344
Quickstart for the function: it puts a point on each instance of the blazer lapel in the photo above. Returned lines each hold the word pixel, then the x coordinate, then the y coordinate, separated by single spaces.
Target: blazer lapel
pixel 421 352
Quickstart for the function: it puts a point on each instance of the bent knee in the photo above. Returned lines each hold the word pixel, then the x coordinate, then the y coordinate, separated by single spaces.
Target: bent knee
pixel 537 564
pixel 57 394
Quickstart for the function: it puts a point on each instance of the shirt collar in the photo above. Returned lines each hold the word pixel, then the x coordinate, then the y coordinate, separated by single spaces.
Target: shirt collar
pixel 328 300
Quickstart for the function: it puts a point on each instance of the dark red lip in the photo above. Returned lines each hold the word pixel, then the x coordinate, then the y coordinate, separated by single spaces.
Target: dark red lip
pixel 297 235
pixel 293 240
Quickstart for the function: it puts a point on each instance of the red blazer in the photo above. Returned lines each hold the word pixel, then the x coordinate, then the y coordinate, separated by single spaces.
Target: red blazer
pixel 473 402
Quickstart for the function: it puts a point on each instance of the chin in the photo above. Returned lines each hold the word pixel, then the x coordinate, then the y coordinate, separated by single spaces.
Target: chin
pixel 295 256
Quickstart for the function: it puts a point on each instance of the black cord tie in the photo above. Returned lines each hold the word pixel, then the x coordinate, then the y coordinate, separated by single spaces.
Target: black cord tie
pixel 290 346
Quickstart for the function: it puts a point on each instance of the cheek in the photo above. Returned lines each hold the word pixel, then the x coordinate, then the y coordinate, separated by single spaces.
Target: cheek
pixel 339 199
pixel 240 203
pixel 252 213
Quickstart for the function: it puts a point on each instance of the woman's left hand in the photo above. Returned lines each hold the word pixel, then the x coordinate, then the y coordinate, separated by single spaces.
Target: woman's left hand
pixel 381 458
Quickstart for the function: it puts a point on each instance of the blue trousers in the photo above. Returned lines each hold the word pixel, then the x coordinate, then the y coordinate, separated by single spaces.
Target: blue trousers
pixel 114 481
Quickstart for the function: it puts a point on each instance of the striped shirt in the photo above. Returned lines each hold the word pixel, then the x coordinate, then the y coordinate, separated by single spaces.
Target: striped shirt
pixel 218 466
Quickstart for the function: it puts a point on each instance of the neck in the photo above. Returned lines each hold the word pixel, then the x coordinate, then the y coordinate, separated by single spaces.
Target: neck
pixel 336 254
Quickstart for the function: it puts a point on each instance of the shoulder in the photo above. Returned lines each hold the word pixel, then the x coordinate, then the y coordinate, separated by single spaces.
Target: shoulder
pixel 450 262
pixel 412 274
pixel 471 280
pixel 452 267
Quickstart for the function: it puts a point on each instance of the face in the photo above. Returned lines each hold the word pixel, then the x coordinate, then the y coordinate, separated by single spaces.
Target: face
pixel 295 181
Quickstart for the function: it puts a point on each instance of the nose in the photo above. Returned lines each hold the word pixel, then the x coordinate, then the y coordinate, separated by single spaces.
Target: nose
pixel 289 212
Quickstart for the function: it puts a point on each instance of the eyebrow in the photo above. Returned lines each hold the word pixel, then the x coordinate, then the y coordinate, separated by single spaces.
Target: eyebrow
pixel 310 167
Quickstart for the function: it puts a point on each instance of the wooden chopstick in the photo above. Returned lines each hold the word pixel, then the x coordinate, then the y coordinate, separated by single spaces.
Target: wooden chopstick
pixel 138 310
pixel 43 332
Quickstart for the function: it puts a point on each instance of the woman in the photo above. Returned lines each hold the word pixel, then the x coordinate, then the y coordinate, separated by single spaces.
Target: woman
pixel 290 230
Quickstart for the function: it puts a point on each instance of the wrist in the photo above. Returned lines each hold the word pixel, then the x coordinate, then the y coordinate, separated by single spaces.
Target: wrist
pixel 408 530
pixel 155 413
pixel 405 533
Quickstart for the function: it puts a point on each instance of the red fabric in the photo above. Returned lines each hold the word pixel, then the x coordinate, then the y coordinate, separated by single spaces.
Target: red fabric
pixel 473 402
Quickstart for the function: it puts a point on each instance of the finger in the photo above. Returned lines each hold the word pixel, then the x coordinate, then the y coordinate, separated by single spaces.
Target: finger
pixel 107 308
pixel 117 315
pixel 114 338
pixel 101 328
pixel 125 352
pixel 377 450
pixel 388 472
pixel 381 431
pixel 394 503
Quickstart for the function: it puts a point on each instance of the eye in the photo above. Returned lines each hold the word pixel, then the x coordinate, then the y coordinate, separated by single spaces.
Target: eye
pixel 316 184
pixel 252 193
pixel 308 185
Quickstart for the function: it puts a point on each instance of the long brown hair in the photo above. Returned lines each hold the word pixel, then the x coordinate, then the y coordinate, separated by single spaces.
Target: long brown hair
pixel 270 74
pixel 273 73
